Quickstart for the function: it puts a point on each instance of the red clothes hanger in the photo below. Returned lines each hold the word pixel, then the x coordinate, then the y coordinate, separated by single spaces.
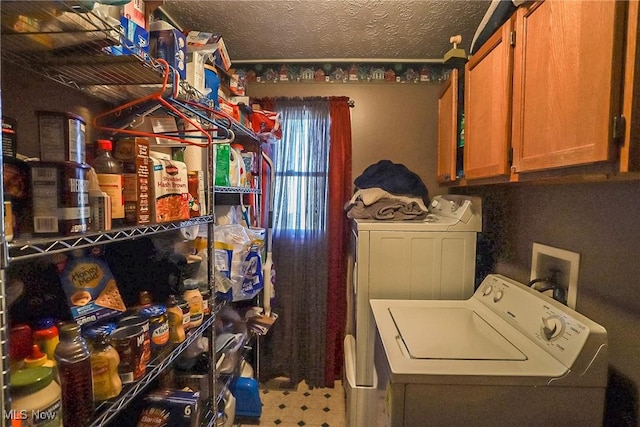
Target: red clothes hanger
pixel 150 103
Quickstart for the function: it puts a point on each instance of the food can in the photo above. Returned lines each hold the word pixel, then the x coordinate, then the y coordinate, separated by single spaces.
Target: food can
pixel 9 137
pixel 62 137
pixel 158 325
pixel 17 191
pixel 60 197
pixel 93 331
pixel 143 322
pixel 129 343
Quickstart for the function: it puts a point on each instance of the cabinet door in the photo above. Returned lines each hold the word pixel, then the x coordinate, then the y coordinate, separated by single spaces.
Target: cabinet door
pixel 566 83
pixel 448 129
pixel 488 107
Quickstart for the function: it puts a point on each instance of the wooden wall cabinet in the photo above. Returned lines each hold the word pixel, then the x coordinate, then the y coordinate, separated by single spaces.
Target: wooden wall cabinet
pixel 566 83
pixel 552 89
pixel 487 93
pixel 448 129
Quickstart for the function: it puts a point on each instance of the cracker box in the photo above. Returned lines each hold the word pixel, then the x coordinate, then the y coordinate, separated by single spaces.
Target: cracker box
pixel 170 196
pixel 170 408
pixel 91 290
pixel 134 155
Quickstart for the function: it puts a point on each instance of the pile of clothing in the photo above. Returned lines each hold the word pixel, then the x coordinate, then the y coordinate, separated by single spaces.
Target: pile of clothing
pixel 388 191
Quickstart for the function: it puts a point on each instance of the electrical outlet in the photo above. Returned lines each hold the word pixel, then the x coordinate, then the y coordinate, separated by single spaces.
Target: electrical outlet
pixel 547 259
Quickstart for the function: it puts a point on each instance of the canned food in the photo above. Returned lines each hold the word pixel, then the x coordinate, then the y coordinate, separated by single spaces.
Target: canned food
pixel 158 325
pixel 15 175
pixel 129 343
pixel 62 137
pixel 142 322
pixel 60 197
pixel 9 137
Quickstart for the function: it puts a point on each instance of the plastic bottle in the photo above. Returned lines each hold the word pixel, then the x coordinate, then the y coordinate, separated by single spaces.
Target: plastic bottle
pixel 104 369
pixel 111 179
pixel 45 335
pixel 74 369
pixel 176 328
pixel 193 296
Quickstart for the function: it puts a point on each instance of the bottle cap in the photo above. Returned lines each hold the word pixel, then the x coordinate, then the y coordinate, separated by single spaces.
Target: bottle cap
pixel 105 144
pixel 69 330
pixel 144 298
pixel 36 358
pixel 46 323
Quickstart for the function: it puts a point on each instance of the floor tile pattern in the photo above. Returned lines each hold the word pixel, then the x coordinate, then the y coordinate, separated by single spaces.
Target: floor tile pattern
pixel 301 407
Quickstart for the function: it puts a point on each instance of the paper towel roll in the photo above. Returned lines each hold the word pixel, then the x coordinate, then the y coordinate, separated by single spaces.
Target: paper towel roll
pixel 195 158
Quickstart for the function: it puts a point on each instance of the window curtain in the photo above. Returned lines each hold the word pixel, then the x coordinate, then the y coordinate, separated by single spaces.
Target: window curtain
pixel 312 173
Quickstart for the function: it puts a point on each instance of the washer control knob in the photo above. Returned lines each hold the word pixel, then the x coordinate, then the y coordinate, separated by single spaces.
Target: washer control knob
pixel 498 296
pixel 487 290
pixel 434 203
pixel 552 327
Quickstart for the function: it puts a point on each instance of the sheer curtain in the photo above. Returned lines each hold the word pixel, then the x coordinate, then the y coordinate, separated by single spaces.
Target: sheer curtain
pixel 301 345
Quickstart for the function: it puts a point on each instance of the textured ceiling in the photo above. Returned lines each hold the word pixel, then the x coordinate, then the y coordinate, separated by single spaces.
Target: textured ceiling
pixel 332 29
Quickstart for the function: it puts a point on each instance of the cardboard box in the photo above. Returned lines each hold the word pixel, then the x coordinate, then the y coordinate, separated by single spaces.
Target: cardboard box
pixel 211 43
pixel 92 291
pixel 195 70
pixel 168 43
pixel 134 155
pixel 171 408
pixel 134 11
pixel 170 192
pixel 136 40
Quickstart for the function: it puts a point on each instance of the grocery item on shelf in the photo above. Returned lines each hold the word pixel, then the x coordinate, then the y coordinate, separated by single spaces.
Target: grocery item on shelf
pixel 158 325
pixel 134 155
pixel 170 197
pixel 60 198
pixel 91 289
pixel 62 137
pixel 111 178
pixel 193 296
pixel 35 397
pixel 104 369
pixel 45 335
pixel 129 343
pixel 37 358
pixel 143 323
pixel 176 327
pixel 74 370
pixel 168 407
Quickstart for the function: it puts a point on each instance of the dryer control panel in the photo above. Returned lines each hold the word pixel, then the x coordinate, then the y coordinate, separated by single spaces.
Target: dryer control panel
pixel 556 328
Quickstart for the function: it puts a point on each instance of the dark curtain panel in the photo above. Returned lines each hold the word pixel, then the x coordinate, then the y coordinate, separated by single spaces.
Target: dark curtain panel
pixel 295 346
pixel 339 194
pixel 310 236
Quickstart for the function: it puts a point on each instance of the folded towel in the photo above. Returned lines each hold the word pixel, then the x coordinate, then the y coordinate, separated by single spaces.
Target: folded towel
pixel 387 209
pixel 369 196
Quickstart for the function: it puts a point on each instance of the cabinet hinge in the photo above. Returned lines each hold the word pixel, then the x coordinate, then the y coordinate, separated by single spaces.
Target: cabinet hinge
pixel 619 125
pixel 512 38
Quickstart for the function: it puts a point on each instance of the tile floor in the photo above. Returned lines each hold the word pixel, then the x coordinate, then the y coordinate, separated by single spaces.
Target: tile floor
pixel 300 407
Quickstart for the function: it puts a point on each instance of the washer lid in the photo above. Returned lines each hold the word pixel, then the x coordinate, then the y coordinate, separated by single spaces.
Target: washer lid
pixel 451 334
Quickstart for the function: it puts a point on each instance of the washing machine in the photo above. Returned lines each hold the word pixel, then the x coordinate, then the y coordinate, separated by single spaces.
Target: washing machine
pixel 434 258
pixel 507 356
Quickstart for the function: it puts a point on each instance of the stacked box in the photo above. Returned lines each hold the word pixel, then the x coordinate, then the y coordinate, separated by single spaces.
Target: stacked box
pixel 134 155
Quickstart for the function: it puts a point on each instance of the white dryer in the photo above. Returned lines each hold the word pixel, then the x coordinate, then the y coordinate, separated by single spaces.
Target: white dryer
pixel 433 258
pixel 507 356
